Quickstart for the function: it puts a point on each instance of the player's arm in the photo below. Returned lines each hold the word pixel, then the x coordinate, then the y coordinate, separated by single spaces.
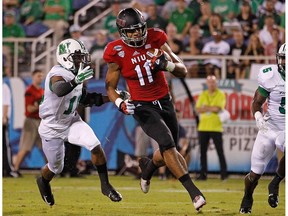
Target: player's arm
pixel 176 67
pixel 61 87
pixel 90 99
pixel 259 99
pixel 112 78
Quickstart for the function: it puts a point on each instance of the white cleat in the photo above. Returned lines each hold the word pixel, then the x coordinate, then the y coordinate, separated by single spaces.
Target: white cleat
pixel 145 185
pixel 199 202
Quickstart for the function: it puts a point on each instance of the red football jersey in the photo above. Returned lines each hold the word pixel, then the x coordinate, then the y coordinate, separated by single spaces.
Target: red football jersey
pixel 143 85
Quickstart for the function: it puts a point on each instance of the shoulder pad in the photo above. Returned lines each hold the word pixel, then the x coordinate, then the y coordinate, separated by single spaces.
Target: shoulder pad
pixel 158 30
pixel 267 76
pixel 58 70
pixel 112 49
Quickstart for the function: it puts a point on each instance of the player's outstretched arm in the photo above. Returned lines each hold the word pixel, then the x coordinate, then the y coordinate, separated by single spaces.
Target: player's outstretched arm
pixel 61 87
pixel 112 78
pixel 97 99
pixel 178 69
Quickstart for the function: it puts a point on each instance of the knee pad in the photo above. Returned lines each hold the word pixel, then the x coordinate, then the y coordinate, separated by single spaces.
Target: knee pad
pixel 56 168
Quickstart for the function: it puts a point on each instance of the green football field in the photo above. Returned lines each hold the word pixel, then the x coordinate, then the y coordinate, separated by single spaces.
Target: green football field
pixel 77 197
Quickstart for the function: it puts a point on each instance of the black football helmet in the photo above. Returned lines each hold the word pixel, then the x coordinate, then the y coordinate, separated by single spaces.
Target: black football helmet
pixel 280 57
pixel 130 20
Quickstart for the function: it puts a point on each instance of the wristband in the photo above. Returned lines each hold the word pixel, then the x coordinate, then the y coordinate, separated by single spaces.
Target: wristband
pixel 170 66
pixel 258 115
pixel 118 101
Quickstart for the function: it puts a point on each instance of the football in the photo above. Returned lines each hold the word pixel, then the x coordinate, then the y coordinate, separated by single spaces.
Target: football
pixel 154 52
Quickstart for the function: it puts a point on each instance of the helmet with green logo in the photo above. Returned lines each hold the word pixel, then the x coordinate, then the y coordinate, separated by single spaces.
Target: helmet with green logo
pixel 70 53
pixel 280 57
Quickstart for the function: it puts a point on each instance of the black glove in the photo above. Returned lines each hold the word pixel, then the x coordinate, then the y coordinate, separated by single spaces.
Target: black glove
pixel 158 63
pixel 90 99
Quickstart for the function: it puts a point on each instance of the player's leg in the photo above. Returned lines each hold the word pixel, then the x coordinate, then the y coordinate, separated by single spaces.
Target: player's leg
pixel 54 152
pixel 142 142
pixel 81 134
pixel 153 124
pixel 218 142
pixel 72 154
pixel 262 152
pixel 162 169
pixel 273 187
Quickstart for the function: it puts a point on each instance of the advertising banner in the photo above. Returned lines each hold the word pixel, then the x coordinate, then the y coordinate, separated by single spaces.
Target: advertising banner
pixel 239 132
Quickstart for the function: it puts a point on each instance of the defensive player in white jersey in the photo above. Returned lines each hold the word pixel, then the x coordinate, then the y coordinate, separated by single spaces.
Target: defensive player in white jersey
pixel 61 122
pixel 271 134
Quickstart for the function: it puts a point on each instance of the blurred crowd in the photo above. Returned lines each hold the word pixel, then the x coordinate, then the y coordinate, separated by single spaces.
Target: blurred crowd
pixel 194 27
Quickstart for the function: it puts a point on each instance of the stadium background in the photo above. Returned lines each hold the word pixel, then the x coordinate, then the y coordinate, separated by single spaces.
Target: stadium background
pixel 116 131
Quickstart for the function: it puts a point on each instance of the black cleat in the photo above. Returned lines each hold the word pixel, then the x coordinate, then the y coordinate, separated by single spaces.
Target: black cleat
pixel 110 192
pixel 246 205
pixel 45 191
pixel 273 198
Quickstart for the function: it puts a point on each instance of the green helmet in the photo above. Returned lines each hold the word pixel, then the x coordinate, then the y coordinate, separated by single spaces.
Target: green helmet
pixel 280 57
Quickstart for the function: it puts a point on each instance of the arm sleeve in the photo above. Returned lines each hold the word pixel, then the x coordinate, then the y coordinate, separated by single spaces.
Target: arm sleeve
pixel 62 88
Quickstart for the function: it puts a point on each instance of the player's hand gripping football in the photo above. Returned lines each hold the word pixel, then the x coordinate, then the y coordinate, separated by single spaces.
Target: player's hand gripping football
pixel 83 74
pixel 260 122
pixel 158 63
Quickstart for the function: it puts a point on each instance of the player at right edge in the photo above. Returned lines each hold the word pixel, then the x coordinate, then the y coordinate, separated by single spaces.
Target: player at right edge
pixel 271 134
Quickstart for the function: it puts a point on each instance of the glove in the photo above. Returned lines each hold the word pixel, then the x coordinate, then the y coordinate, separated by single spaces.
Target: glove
pixel 124 95
pixel 158 63
pixel 83 74
pixel 125 106
pixel 260 122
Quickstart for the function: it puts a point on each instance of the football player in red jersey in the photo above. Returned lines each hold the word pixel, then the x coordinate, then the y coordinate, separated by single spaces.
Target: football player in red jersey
pixel 150 103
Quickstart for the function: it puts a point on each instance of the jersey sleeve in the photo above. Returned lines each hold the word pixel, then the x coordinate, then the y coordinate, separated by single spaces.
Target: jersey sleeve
pixel 158 36
pixel 109 53
pixel 265 78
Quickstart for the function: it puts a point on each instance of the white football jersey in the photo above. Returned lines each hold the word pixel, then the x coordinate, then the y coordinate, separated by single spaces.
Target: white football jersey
pixel 270 79
pixel 58 112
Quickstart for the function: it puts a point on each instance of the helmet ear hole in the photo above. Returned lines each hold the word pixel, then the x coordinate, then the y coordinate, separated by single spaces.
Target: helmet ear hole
pixel 65 59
